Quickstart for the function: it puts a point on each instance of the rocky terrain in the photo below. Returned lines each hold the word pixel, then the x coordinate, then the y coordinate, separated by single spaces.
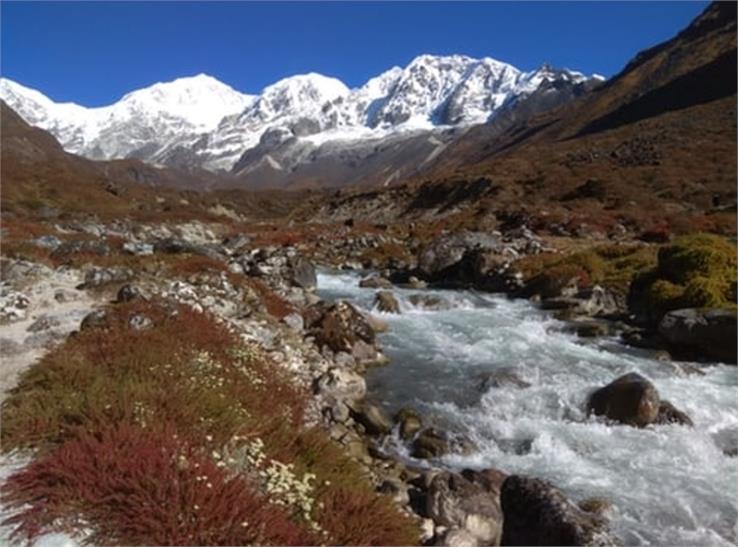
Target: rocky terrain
pixel 175 344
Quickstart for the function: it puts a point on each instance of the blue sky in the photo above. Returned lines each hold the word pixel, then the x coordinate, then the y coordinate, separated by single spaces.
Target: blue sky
pixel 93 53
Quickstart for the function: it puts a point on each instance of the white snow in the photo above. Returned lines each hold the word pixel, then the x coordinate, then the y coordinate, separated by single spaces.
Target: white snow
pixel 217 124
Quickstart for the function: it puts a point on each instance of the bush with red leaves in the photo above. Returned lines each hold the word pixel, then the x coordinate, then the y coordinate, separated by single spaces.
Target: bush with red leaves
pixel 130 486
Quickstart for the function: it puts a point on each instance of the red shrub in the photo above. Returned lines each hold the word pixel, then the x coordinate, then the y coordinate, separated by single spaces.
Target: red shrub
pixel 196 264
pixel 141 487
pixel 275 305
pixel 354 516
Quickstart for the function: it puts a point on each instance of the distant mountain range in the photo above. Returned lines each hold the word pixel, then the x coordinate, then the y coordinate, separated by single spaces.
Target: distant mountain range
pixel 305 130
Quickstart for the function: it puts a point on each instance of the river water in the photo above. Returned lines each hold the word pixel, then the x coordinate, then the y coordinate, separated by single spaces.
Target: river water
pixel 669 484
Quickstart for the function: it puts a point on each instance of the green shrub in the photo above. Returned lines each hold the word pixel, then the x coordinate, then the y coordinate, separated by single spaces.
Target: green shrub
pixel 695 271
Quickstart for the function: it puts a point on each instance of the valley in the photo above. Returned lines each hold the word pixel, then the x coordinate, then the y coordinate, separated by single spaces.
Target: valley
pixel 462 304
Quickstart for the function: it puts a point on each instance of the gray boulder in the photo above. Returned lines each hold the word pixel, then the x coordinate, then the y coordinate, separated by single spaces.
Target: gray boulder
pixel 710 333
pixel 468 501
pixel 302 273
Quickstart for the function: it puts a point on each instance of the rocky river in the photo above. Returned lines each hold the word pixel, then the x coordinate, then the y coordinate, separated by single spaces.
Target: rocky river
pixel 514 381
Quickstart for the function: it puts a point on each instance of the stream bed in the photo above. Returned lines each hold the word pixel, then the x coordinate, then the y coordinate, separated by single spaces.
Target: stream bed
pixel 669 484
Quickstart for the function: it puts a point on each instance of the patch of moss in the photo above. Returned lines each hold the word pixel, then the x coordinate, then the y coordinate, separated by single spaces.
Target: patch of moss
pixel 695 271
pixel 612 266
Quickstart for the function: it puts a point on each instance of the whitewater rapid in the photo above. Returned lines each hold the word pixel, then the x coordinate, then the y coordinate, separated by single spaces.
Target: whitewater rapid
pixel 669 484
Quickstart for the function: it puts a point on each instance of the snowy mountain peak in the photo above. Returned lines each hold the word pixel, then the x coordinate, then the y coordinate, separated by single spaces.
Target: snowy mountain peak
pixel 200 121
pixel 200 100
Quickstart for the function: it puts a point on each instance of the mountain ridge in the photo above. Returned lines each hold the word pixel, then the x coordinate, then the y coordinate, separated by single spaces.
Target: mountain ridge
pixel 199 121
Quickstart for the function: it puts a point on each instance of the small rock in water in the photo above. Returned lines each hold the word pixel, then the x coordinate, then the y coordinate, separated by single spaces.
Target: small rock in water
pixel 430 443
pixel 409 422
pixel 386 302
pixel 375 282
pixel 502 378
pixel 429 302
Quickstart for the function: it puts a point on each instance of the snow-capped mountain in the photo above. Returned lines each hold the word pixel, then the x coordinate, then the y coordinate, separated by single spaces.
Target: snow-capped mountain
pixel 201 122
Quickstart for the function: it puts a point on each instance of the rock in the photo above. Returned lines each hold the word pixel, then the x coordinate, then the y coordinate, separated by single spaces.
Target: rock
pixel 537 513
pixel 44 322
pixel 338 326
pixel 84 246
pixel 429 302
pixel 409 423
pixel 375 282
pixel 630 399
pixel 97 277
pixel 415 283
pixel 139 321
pixel 468 501
pixel 709 333
pixel 386 302
pixel 430 443
pixel 128 293
pixel 47 242
pixel 458 537
pixel 302 273
pixel 237 243
pixel 172 245
pixel 339 412
pixel 436 258
pixel 294 321
pixel 427 530
pixel 13 305
pixel 376 323
pixel 599 301
pixel 397 489
pixel 96 319
pixel 669 414
pixel 591 329
pixel 341 384
pixel 8 346
pixel 373 418
pixel 505 377
pixel 138 249
pixel 596 506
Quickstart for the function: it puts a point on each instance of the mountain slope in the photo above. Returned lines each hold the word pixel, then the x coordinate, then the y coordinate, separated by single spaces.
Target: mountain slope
pixel 652 150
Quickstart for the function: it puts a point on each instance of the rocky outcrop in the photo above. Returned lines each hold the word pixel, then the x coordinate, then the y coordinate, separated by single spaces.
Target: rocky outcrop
pixel 631 400
pixel 701 332
pixel 537 513
pixel 467 503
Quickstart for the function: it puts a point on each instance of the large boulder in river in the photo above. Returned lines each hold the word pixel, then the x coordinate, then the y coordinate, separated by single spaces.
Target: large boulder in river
pixel 537 513
pixel 468 501
pixel 631 400
pixel 709 333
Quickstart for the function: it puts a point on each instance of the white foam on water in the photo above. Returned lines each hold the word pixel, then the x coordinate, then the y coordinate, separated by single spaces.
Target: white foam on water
pixel 668 484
